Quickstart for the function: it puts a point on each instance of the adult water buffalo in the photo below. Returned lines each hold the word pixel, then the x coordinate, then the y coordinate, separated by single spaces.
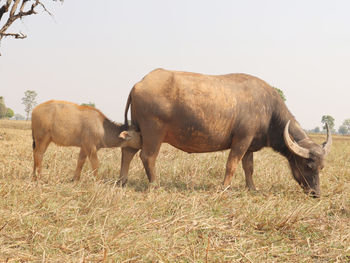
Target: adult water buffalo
pixel 69 124
pixel 201 113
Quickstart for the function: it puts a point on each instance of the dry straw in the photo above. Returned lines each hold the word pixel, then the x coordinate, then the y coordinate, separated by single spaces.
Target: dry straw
pixel 188 218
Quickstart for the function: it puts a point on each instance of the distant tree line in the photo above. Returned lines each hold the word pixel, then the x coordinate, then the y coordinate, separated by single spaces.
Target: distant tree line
pixel 4 111
pixel 29 102
pixel 91 104
pixel 343 129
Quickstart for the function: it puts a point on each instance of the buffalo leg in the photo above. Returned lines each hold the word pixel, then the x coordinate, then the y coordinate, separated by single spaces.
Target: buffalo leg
pixel 127 154
pixel 247 163
pixel 38 154
pixel 80 164
pixel 238 149
pixel 152 140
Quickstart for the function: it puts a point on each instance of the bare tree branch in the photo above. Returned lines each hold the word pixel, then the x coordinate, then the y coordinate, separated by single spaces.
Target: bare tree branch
pixel 14 8
pixel 23 4
pixel 15 35
pixel 18 13
pixel 45 9
pixel 4 9
pixel 13 16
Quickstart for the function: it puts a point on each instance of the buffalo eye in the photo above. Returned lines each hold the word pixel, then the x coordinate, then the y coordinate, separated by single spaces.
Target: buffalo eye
pixel 311 165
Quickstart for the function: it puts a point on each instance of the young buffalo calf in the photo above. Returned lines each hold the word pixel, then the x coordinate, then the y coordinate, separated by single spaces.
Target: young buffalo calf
pixel 68 124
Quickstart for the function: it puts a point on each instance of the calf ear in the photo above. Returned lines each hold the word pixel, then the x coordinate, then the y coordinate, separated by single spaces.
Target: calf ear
pixel 125 135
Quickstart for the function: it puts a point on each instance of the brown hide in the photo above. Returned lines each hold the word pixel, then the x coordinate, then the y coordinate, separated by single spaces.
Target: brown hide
pixel 68 124
pixel 201 113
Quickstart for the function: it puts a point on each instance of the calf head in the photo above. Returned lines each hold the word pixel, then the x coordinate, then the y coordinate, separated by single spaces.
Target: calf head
pixel 130 138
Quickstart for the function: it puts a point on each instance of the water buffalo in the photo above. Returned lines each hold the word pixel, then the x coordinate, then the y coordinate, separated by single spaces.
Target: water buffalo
pixel 201 113
pixel 68 124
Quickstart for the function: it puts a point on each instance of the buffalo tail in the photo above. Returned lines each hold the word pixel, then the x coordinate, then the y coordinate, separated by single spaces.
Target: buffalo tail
pixel 126 111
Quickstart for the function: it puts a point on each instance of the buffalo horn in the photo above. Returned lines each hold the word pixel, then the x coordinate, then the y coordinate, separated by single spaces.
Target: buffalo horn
pixel 327 145
pixel 294 147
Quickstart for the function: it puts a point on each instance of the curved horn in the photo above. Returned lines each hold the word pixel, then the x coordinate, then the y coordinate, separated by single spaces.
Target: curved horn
pixel 294 147
pixel 327 144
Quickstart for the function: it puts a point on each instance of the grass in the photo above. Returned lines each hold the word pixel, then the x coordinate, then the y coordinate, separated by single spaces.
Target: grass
pixel 188 218
pixel 10 124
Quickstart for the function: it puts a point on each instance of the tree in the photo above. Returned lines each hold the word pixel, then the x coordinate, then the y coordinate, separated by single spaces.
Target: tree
pixel 9 113
pixel 29 101
pixel 346 123
pixel 91 104
pixel 4 111
pixel 328 119
pixel 281 93
pixel 2 108
pixel 19 117
pixel 316 130
pixel 343 130
pixel 13 10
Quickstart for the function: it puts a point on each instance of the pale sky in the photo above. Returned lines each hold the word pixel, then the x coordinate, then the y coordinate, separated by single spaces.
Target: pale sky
pixel 97 50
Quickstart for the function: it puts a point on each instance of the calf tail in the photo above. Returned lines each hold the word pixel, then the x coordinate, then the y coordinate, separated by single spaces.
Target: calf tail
pixel 33 140
pixel 126 111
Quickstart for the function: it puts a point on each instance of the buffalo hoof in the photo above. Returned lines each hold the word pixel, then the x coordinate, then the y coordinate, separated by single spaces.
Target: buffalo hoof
pixel 121 182
pixel 153 186
pixel 75 179
pixel 251 188
pixel 223 188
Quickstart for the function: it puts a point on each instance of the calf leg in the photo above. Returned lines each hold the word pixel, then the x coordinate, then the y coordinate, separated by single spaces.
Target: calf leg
pixel 247 163
pixel 94 161
pixel 38 154
pixel 239 147
pixel 127 155
pixel 80 164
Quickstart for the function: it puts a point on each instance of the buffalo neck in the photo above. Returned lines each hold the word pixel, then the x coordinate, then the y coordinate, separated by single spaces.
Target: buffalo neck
pixel 276 130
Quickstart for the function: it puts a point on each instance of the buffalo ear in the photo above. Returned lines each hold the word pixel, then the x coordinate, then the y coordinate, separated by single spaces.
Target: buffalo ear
pixel 125 135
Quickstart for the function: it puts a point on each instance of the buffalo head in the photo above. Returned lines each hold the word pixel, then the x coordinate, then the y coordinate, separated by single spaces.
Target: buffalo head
pixel 307 160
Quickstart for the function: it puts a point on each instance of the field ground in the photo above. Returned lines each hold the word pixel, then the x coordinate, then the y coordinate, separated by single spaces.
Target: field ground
pixel 188 218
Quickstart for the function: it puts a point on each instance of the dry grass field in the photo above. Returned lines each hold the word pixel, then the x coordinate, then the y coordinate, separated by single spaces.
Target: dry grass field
pixel 188 218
